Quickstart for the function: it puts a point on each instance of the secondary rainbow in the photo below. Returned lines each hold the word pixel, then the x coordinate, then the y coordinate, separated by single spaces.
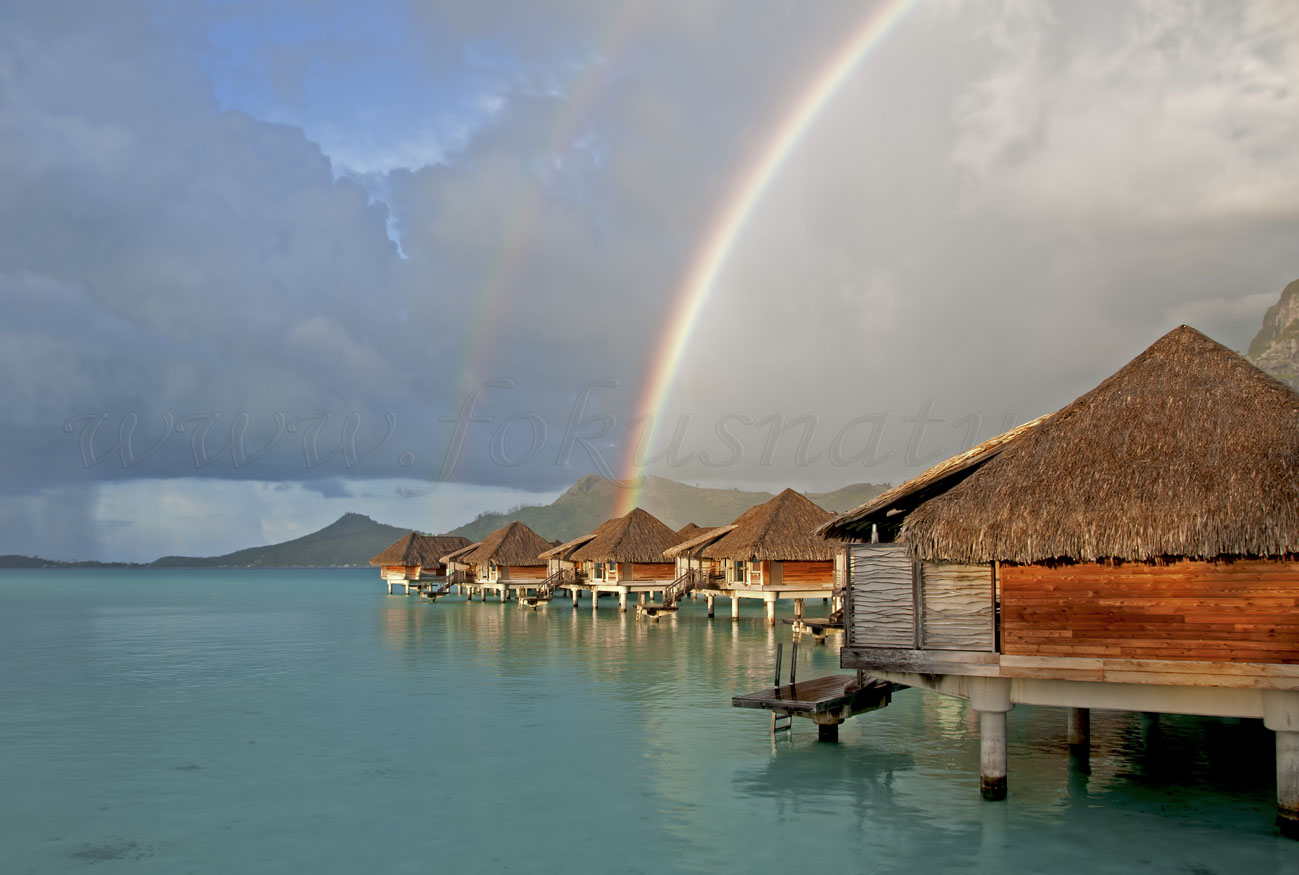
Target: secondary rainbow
pixel 510 257
pixel 717 246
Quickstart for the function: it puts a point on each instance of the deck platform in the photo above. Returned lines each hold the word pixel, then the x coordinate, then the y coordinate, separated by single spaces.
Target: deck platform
pixel 817 627
pixel 654 612
pixel 826 701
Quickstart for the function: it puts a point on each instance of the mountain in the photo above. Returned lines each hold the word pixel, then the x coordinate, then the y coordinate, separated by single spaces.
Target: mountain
pixel 1275 348
pixel 350 540
pixel 353 538
pixel 591 500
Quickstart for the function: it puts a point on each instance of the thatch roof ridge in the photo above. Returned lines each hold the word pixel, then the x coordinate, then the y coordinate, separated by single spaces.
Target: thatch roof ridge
pixel 562 551
pixel 779 529
pixel 1188 451
pixel 512 544
pixel 416 549
pixel 854 524
pixel 704 537
pixel 690 530
pixel 638 536
pixel 458 554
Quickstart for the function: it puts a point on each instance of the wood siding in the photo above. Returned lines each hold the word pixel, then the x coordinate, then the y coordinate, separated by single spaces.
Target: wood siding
pixel 882 591
pixel 653 571
pixel 523 572
pixel 815 573
pixel 1241 611
pixel 957 607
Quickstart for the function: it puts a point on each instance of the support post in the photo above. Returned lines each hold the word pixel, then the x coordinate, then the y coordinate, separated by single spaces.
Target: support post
pixel 992 755
pixel 1080 727
pixel 827 732
pixel 642 599
pixel 575 593
pixel 771 612
pixel 735 607
pixel 990 697
pixel 622 600
pixel 798 609
pixel 710 606
pixel 1281 715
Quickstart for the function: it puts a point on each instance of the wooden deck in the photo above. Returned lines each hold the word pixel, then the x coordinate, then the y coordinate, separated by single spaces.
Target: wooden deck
pixel 826 701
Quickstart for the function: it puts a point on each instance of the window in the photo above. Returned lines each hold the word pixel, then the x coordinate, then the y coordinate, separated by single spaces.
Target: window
pixel 737 571
pixel 597 571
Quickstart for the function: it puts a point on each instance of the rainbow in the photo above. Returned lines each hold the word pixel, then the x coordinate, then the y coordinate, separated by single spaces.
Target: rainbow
pixel 712 256
pixel 510 257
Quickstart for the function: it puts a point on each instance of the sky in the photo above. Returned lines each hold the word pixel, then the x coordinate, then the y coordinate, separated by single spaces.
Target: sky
pixel 265 263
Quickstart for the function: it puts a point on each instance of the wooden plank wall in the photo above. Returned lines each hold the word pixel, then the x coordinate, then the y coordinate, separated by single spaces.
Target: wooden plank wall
pixel 653 571
pixel 524 572
pixel 1241 611
pixel 814 573
pixel 882 613
pixel 957 607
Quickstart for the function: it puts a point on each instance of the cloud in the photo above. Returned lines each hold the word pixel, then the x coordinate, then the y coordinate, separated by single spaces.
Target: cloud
pixel 1004 204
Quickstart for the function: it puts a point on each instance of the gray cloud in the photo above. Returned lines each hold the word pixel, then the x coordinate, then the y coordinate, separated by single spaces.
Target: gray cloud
pixel 1003 206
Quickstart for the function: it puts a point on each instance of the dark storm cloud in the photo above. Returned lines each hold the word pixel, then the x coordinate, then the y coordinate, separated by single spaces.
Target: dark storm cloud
pixel 1006 203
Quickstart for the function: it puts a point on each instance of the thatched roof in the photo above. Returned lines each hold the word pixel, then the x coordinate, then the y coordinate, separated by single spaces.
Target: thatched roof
pixel 458 555
pixel 565 550
pixel 692 546
pixel 638 536
pixel 1188 451
pixel 889 508
pixel 417 549
pixel 780 529
pixel 514 544
pixel 688 531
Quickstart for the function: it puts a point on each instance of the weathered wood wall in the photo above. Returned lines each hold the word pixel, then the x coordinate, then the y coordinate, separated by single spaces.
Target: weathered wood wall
pixel 814 573
pixel 957 607
pixel 882 591
pixel 1241 611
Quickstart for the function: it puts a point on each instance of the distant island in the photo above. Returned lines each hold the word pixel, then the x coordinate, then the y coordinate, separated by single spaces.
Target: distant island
pixel 353 538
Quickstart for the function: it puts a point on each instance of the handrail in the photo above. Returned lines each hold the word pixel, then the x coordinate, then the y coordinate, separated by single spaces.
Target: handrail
pixel 550 584
pixel 679 587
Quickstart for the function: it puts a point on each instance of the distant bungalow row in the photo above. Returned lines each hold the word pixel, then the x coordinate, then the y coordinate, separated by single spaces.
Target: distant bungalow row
pixel 1133 551
pixel 768 554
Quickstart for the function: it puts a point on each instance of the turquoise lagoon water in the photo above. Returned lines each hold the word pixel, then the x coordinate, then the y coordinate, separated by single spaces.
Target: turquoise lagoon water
pixel 274 721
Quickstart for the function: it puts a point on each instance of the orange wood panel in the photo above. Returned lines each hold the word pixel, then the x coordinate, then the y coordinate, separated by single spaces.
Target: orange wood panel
pixel 1244 611
pixel 807 572
pixel 653 571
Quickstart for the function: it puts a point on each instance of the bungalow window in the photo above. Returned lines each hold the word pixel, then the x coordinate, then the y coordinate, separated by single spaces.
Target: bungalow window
pixel 483 573
pixel 737 571
pixel 597 571
pixel 755 573
pixel 494 572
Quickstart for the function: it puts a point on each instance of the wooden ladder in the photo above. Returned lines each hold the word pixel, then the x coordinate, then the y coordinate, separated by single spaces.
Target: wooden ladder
pixel 783 721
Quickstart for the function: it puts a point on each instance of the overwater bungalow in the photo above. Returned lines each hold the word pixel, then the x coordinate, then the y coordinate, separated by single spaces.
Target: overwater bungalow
pixel 769 553
pixel 689 559
pixel 508 561
pixel 625 556
pixel 1133 551
pixel 413 558
pixel 459 572
pixel 563 570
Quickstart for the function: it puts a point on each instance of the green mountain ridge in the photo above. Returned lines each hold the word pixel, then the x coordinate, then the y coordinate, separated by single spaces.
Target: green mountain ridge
pixel 591 500
pixel 353 538
pixel 348 541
